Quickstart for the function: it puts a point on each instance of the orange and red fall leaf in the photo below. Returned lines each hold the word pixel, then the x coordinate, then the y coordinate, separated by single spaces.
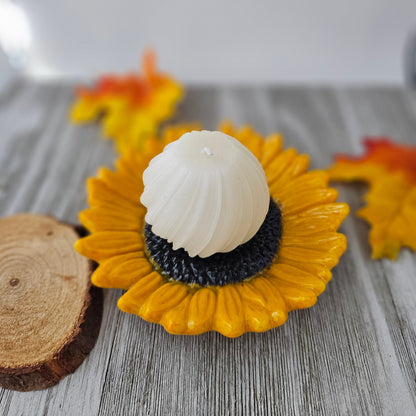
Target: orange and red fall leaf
pixel 390 171
pixel 132 106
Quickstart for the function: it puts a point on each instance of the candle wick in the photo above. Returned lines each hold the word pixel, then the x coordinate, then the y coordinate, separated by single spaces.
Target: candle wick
pixel 207 151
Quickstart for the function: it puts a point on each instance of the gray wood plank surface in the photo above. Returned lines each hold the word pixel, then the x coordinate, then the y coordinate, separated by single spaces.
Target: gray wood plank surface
pixel 353 353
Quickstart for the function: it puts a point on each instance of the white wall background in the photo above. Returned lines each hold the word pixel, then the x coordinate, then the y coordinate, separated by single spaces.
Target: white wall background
pixel 226 41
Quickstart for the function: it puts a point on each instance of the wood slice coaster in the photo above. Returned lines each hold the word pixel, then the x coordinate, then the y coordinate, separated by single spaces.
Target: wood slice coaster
pixel 50 314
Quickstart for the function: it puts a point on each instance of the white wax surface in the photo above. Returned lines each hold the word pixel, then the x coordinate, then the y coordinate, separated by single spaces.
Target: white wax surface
pixel 206 193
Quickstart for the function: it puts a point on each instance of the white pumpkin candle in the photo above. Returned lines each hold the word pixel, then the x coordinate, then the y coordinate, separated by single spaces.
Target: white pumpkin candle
pixel 206 193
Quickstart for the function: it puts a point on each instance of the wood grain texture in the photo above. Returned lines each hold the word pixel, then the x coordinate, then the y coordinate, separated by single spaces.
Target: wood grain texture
pixel 50 314
pixel 353 353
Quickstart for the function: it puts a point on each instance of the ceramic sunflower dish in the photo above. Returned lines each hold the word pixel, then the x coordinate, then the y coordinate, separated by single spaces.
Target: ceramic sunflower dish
pixel 213 231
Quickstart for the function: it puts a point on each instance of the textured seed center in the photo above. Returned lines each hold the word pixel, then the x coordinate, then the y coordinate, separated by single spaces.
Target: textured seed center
pixel 242 263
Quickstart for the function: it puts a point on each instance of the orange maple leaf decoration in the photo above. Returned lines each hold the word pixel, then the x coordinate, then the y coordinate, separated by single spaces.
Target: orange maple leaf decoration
pixel 390 170
pixel 132 106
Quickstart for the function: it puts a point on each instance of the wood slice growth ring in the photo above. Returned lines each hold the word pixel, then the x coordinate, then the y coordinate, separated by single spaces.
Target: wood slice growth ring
pixel 50 314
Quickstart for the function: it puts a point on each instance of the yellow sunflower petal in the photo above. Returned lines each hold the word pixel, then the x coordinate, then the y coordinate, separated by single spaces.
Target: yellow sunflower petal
pixel 175 320
pixel 293 255
pixel 229 315
pixel 246 135
pixel 248 292
pixel 133 299
pixel 132 163
pixel 271 149
pixel 303 201
pixel 279 165
pixel 122 271
pixel 274 302
pixel 296 277
pixel 295 296
pixel 125 166
pixel 106 218
pixel 126 185
pixel 110 213
pixel 163 299
pixel 297 166
pixel 304 192
pixel 152 147
pixel 333 243
pixel 318 270
pixel 105 244
pixel 319 246
pixel 257 317
pixel 227 127
pixel 100 193
pixel 323 218
pixel 251 139
pixel 315 179
pixel 201 311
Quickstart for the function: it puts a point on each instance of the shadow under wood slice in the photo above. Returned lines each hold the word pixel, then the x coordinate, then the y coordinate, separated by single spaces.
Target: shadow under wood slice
pixel 50 314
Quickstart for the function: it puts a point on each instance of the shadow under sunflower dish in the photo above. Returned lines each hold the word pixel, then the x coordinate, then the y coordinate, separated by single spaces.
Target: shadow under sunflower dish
pixel 218 231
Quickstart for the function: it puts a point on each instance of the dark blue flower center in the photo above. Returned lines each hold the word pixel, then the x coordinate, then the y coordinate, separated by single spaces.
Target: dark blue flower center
pixel 243 262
